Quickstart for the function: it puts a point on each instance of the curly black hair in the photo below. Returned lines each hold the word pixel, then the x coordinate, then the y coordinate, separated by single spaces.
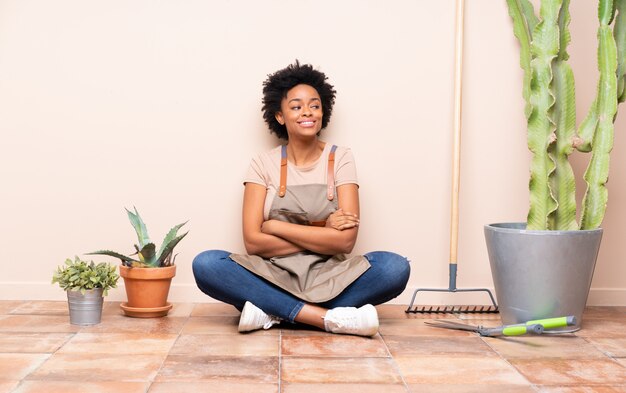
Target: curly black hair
pixel 277 85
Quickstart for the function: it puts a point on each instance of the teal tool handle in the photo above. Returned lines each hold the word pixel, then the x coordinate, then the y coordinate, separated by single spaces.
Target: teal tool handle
pixel 552 323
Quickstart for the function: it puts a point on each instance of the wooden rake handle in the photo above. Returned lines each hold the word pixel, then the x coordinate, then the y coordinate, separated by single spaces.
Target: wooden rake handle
pixel 456 160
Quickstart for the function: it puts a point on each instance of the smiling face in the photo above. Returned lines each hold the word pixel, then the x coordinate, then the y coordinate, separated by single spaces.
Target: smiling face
pixel 301 111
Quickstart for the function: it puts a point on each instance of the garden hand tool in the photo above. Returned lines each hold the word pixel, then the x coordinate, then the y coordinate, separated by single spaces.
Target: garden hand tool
pixel 531 327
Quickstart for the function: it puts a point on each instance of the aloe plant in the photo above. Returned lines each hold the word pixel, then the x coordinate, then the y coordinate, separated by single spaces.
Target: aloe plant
pixel 146 254
pixel 548 88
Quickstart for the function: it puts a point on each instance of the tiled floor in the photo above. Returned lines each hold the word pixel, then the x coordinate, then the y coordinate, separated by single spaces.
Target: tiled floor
pixel 197 349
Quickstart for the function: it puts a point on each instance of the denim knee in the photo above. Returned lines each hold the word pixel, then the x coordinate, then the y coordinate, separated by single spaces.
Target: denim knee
pixel 205 265
pixel 391 267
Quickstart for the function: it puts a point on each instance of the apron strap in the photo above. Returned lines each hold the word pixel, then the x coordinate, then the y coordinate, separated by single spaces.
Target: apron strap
pixel 330 178
pixel 283 172
pixel 331 173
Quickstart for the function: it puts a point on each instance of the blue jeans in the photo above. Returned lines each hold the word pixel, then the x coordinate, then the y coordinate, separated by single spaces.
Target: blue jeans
pixel 223 279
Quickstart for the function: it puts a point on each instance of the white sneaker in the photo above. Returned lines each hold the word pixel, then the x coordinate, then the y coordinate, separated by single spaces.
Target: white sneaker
pixel 361 321
pixel 253 318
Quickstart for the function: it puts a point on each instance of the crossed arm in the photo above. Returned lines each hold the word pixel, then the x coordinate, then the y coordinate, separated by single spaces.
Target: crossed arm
pixel 274 238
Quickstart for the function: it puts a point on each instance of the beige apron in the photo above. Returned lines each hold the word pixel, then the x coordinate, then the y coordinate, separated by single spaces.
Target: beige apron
pixel 310 276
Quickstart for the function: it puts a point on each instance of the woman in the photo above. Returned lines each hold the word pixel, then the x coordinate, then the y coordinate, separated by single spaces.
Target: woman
pixel 300 216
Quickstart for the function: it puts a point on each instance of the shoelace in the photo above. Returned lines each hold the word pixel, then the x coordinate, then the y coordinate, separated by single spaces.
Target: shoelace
pixel 270 323
pixel 347 321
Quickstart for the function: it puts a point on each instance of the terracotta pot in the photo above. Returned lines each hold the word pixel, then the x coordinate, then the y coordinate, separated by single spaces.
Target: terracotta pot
pixel 147 290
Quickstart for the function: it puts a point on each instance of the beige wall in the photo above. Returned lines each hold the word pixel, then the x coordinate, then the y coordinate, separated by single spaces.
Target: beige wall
pixel 107 104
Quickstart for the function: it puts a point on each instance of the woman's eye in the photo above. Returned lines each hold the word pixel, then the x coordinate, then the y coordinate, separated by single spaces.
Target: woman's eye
pixel 295 108
pixel 315 106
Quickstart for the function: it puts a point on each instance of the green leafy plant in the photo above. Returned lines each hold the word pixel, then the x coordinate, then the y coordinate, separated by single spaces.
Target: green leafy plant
pixel 146 253
pixel 548 89
pixel 79 275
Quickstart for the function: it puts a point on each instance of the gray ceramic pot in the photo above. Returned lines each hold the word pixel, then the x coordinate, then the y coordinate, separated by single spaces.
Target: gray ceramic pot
pixel 541 274
pixel 85 309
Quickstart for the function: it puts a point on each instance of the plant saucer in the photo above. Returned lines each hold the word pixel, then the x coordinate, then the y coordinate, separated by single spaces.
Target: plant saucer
pixel 147 312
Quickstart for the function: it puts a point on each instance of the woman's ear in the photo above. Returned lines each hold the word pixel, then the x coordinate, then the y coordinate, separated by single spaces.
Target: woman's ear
pixel 279 118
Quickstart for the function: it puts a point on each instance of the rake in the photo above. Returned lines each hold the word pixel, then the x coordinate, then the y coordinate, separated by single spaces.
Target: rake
pixel 454 216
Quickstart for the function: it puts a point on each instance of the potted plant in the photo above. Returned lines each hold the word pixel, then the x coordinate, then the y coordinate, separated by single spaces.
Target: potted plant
pixel 147 276
pixel 544 267
pixel 86 284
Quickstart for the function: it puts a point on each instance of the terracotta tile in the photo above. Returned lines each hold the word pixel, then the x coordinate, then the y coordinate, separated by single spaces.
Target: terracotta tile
pixel 339 370
pixel 181 310
pixel 480 388
pixel 394 311
pixel 7 386
pixel 37 323
pixel 561 346
pixel 416 327
pixel 226 345
pixel 593 312
pixel 603 327
pixel 221 325
pixel 332 345
pixel 582 389
pixel 98 367
pixel 82 387
pixel 214 310
pixel 290 329
pixel 214 325
pixel 613 347
pixel 471 318
pixel 341 388
pixel 484 321
pixel 617 317
pixel 32 342
pixel 18 365
pixel 123 324
pixel 458 370
pixel 211 387
pixel 6 306
pixel 409 346
pixel 111 308
pixel 571 371
pixel 249 369
pixel 120 343
pixel 391 311
pixel 41 307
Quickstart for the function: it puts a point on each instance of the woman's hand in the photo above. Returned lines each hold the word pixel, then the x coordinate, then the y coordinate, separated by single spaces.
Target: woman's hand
pixel 341 220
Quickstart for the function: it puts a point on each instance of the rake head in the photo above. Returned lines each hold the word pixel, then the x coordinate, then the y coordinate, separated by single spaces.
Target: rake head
pixel 489 309
pixel 484 309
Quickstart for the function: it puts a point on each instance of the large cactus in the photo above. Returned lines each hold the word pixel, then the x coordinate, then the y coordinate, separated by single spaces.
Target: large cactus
pixel 548 89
